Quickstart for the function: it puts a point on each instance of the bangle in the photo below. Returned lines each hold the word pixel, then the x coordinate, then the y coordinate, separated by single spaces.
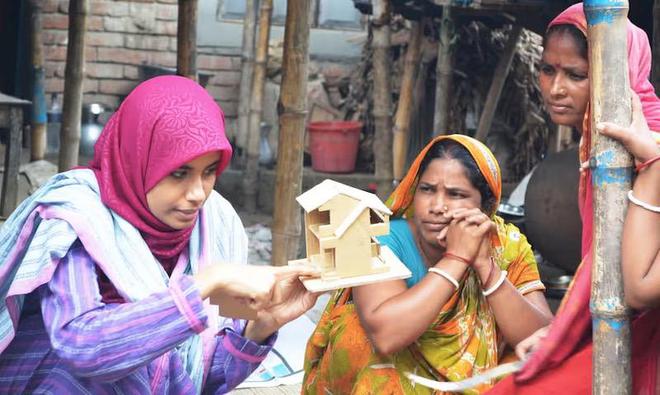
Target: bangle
pixel 456 257
pixel 642 204
pixel 445 275
pixel 499 282
pixel 490 272
pixel 646 164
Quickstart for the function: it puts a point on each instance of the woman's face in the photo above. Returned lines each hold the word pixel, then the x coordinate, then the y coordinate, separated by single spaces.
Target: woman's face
pixel 564 80
pixel 443 185
pixel 177 198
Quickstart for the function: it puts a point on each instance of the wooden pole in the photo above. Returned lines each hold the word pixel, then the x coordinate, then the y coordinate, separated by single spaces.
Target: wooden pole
pixel 404 108
pixel 186 39
pixel 496 86
pixel 611 178
pixel 293 109
pixel 656 45
pixel 443 74
pixel 247 72
pixel 73 85
pixel 250 186
pixel 38 128
pixel 12 163
pixel 382 110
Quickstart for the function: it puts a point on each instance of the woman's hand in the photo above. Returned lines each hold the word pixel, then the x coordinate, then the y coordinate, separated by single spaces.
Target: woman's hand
pixel 291 300
pixel 253 285
pixel 637 138
pixel 466 233
pixel 530 344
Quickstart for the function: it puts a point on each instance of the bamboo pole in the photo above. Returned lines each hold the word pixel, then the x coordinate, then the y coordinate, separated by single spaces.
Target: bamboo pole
pixel 496 86
pixel 186 39
pixel 443 74
pixel 73 85
pixel 250 179
pixel 382 110
pixel 293 109
pixel 611 177
pixel 38 127
pixel 404 108
pixel 247 72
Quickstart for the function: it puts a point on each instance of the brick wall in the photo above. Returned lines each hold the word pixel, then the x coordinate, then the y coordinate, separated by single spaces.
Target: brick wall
pixel 121 36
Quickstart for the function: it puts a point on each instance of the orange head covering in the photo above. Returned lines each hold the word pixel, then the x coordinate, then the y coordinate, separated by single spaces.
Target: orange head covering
pixel 400 200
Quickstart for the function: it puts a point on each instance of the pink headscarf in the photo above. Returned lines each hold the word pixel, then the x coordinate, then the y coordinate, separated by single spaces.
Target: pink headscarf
pixel 571 327
pixel 164 123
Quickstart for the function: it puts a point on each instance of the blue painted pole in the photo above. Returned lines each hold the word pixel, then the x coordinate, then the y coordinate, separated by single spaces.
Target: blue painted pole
pixel 611 179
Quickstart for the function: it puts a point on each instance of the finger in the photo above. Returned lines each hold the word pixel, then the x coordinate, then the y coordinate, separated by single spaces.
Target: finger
pixel 443 233
pixel 637 110
pixel 485 228
pixel 465 212
pixel 612 130
pixel 286 272
pixel 521 351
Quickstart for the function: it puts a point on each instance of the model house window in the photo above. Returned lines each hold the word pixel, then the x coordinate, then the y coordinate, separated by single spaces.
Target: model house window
pixel 326 14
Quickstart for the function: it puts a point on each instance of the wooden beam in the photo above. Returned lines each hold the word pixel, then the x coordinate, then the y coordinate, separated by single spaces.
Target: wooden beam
pixel 611 179
pixel 405 106
pixel 443 74
pixel 186 39
pixel 38 128
pixel 12 162
pixel 73 85
pixel 382 110
pixel 247 72
pixel 293 109
pixel 496 86
pixel 250 180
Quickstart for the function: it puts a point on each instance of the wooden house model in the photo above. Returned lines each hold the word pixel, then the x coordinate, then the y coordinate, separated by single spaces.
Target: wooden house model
pixel 341 225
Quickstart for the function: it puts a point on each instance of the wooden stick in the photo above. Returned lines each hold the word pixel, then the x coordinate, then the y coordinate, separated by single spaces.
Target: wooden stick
pixel 186 40
pixel 73 85
pixel 404 108
pixel 382 111
pixel 611 178
pixel 293 109
pixel 38 129
pixel 443 74
pixel 250 186
pixel 247 72
pixel 496 86
pixel 12 162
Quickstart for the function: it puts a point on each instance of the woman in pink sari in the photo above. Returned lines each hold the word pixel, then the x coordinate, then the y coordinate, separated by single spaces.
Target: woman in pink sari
pixel 560 359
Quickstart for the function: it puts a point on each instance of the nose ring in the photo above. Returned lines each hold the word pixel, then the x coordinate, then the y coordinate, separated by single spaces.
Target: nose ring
pixel 445 209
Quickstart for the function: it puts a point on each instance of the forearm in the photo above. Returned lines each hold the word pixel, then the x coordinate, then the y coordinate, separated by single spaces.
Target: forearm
pixel 516 316
pixel 235 358
pixel 641 243
pixel 399 320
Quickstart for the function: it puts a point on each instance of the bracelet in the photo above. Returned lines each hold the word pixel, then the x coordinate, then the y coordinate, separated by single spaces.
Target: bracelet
pixel 445 275
pixel 642 204
pixel 499 282
pixel 490 272
pixel 456 257
pixel 646 164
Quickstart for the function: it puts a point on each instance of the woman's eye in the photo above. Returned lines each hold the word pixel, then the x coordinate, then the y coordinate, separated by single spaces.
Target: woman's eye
pixel 210 171
pixel 424 188
pixel 577 77
pixel 547 69
pixel 178 174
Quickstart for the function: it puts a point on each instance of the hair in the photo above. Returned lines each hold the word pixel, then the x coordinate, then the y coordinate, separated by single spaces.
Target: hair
pixel 448 149
pixel 576 34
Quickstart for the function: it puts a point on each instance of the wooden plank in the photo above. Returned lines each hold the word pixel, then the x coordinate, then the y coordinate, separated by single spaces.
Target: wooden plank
pixel 496 86
pixel 9 198
pixel 186 42
pixel 443 74
pixel 293 109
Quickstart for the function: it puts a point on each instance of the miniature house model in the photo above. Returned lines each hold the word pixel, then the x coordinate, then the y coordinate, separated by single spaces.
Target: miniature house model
pixel 341 224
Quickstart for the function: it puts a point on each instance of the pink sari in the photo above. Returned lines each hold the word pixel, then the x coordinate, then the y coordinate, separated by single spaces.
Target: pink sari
pixel 562 364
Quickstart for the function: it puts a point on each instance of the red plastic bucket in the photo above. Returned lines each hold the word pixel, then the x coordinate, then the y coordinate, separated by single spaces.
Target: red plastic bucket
pixel 334 145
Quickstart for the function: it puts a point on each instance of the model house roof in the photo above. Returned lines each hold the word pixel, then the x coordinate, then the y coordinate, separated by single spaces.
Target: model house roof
pixel 328 189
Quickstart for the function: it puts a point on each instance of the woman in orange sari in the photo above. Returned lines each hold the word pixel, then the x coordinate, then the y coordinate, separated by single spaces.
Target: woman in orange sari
pixel 561 357
pixel 475 285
